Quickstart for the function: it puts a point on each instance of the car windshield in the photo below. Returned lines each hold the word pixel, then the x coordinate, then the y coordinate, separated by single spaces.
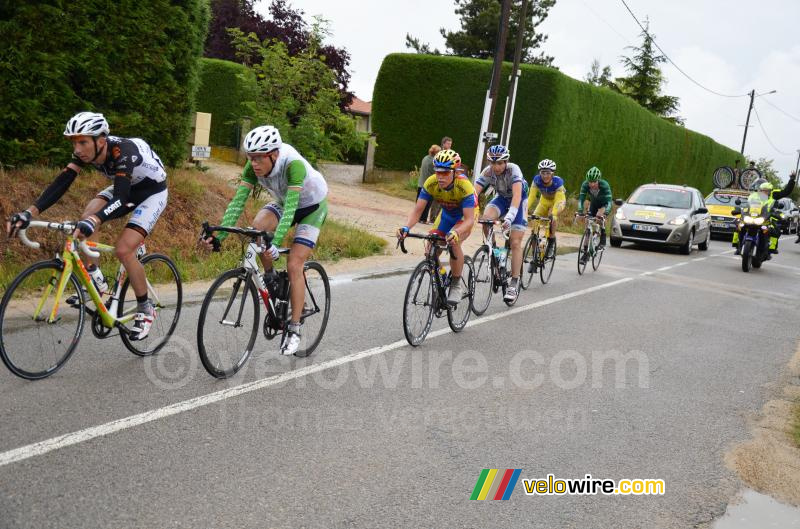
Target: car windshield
pixel 718 199
pixel 665 198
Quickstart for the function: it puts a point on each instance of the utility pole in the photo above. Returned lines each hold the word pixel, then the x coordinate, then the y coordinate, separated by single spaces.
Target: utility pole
pixel 797 165
pixel 494 85
pixel 747 123
pixel 515 73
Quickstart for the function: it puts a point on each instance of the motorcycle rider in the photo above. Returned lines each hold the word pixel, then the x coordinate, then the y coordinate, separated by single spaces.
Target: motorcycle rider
pixel 766 194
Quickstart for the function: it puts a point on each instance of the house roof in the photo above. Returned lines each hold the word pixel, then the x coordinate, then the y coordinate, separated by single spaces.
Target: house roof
pixel 357 106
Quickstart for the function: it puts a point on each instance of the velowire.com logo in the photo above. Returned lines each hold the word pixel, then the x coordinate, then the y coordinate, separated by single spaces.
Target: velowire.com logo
pixel 496 484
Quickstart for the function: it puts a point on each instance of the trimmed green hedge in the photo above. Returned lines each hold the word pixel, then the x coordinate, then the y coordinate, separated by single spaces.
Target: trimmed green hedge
pixel 420 98
pixel 135 61
pixel 224 87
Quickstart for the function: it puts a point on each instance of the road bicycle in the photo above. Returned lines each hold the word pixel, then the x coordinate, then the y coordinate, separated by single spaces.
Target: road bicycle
pixel 538 255
pixel 230 315
pixel 426 294
pixel 492 266
pixel 38 335
pixel 590 243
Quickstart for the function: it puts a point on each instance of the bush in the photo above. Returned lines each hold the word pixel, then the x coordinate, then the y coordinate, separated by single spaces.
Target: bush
pixel 420 98
pixel 136 62
pixel 224 89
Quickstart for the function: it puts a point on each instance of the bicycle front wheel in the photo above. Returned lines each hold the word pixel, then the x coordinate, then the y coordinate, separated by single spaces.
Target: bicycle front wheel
pixel 32 344
pixel 583 253
pixel 597 257
pixel 165 290
pixel 316 309
pixel 228 323
pixel 418 304
pixel 530 258
pixel 458 316
pixel 482 262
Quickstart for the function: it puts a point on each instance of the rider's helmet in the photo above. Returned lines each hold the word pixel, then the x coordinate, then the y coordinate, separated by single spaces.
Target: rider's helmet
pixel 498 153
pixel 593 174
pixel 766 186
pixel 86 124
pixel 446 160
pixel 547 164
pixel 265 138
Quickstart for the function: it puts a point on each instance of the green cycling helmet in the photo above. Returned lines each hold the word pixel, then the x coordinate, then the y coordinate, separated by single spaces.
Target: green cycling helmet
pixel 593 174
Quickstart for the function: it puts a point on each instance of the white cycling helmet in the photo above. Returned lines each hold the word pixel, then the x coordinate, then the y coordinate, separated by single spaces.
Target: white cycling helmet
pixel 265 138
pixel 86 124
pixel 547 164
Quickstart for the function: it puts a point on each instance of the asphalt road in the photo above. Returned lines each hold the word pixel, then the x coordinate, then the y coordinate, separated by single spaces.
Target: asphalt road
pixel 647 368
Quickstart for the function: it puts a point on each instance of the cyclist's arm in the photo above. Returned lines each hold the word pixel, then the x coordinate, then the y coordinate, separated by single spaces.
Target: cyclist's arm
pixel 122 166
pixel 297 174
pixel 481 183
pixel 56 189
pixel 236 206
pixel 606 196
pixel 534 194
pixel 516 195
pixel 468 205
pixel 582 196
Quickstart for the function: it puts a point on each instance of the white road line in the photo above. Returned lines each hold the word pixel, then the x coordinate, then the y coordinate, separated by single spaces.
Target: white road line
pixel 87 434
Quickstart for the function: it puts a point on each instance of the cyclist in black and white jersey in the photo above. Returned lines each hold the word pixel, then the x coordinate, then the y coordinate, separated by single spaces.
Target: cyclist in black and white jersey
pixel 139 186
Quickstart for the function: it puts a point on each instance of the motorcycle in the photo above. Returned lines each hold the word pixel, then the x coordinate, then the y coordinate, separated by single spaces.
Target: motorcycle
pixel 755 226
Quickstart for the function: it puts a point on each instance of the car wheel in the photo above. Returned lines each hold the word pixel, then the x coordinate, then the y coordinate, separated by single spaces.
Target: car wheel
pixel 686 249
pixel 616 243
pixel 703 246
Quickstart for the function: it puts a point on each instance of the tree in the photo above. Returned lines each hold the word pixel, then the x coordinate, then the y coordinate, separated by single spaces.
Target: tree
pixel 643 85
pixel 420 47
pixel 597 77
pixel 285 24
pixel 480 20
pixel 298 93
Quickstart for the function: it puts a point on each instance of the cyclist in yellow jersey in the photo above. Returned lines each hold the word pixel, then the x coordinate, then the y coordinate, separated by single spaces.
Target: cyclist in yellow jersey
pixel 455 193
pixel 554 196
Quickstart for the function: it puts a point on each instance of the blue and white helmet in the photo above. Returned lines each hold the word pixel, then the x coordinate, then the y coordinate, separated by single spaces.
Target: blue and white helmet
pixel 86 124
pixel 265 138
pixel 497 153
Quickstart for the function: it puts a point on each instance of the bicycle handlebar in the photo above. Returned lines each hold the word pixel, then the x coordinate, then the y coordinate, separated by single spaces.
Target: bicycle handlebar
pixel 66 227
pixel 430 237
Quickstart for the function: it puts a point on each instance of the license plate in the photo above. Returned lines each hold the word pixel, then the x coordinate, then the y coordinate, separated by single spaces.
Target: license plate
pixel 723 225
pixel 645 227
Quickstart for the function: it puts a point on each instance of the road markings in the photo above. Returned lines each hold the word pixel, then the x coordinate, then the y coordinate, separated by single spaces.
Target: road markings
pixel 42 447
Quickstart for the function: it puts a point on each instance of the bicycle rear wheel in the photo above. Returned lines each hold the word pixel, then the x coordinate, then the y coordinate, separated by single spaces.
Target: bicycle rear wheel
pixel 548 262
pixel 418 304
pixel 598 255
pixel 228 323
pixel 31 346
pixel 458 316
pixel 583 252
pixel 482 263
pixel 165 290
pixel 316 309
pixel 529 259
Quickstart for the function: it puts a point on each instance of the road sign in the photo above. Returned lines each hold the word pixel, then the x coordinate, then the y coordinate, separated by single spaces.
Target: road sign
pixel 201 151
pixel 489 136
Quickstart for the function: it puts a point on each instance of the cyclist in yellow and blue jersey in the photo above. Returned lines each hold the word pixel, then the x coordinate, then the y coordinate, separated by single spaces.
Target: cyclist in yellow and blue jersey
pixel 456 195
pixel 554 196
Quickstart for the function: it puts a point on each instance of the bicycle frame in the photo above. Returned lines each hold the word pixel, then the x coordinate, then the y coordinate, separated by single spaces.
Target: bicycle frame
pixel 73 264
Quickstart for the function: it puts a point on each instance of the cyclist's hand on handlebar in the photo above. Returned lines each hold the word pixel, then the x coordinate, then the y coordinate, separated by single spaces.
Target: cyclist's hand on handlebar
pixel 402 232
pixel 18 221
pixel 84 228
pixel 452 237
pixel 209 243
pixel 274 252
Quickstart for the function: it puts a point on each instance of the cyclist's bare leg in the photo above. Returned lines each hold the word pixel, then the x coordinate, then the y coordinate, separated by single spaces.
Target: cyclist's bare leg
pixel 457 260
pixel 94 205
pixel 490 213
pixel 266 221
pixel 297 259
pixel 125 250
pixel 516 252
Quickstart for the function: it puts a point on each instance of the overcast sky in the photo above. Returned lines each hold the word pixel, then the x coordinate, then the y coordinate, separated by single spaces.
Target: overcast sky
pixel 728 46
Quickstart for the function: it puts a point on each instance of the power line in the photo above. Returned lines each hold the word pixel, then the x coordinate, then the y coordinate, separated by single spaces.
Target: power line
pixel 761 125
pixel 673 62
pixel 604 21
pixel 779 109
